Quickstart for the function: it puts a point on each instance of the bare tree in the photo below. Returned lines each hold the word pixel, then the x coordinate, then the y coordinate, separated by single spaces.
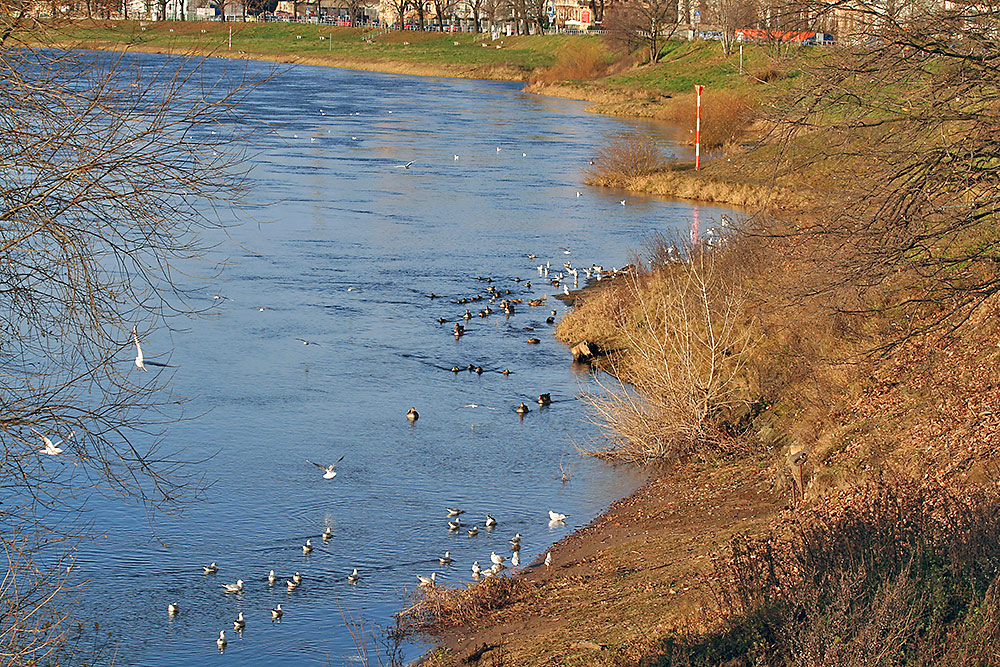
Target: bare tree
pixel 651 22
pixel 442 10
pixel 107 169
pixel 729 16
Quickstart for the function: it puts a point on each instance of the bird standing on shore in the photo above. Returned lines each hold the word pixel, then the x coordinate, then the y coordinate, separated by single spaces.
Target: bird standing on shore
pixel 548 560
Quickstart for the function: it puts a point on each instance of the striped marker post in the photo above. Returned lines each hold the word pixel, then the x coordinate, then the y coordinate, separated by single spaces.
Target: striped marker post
pixel 231 48
pixel 697 130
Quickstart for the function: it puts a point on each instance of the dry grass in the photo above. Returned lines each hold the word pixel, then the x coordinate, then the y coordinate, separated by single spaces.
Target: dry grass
pixel 726 116
pixel 586 60
pixel 438 608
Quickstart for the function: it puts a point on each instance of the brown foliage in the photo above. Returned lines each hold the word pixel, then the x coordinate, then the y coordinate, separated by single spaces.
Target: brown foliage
pixel 437 608
pixel 585 60
pixel 627 156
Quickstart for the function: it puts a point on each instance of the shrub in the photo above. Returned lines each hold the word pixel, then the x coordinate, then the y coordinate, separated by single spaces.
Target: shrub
pixel 437 608
pixel 627 156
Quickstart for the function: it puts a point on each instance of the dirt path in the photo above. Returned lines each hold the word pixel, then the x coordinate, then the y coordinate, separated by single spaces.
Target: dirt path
pixel 617 586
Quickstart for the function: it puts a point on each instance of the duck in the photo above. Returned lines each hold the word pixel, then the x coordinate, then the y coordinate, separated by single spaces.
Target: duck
pixel 446 559
pixel 454 511
pixel 551 319
pixel 307 547
pixel 490 521
pixel 276 612
pixel 234 588
pixel 210 569
pixel 172 609
pixel 327 534
pixel 240 623
pixel 292 584
pixel 522 409
pixel 353 577
pixel 271 577
pixel 454 525
pixel 545 399
pixel 412 415
pixel 221 641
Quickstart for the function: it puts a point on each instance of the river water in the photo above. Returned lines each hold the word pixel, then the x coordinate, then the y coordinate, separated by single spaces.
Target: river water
pixel 353 247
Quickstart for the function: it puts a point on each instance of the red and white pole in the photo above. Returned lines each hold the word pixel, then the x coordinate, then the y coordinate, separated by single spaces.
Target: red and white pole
pixel 697 130
pixel 231 44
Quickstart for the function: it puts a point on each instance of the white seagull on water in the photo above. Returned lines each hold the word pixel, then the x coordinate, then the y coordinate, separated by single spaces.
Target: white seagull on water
pixel 210 569
pixel 427 581
pixel 221 641
pixel 405 166
pixel 353 577
pixel 556 516
pixel 240 623
pixel 329 472
pixel 276 612
pixel 234 588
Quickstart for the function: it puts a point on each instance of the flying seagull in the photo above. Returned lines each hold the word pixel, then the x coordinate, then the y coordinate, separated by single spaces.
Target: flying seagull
pixel 50 449
pixel 140 363
pixel 329 471
pixel 306 342
pixel 405 166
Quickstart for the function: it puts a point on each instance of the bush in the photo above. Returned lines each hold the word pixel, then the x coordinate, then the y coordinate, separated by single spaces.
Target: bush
pixel 627 156
pixel 438 608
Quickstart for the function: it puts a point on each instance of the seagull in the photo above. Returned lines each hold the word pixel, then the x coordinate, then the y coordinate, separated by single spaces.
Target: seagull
pixel 490 521
pixel 50 449
pixel 446 559
pixel 499 149
pixel 405 166
pixel 476 570
pixel 579 194
pixel 566 290
pixel 427 581
pixel 240 623
pixel 210 569
pixel 412 415
pixel 473 531
pixel 234 588
pixel 276 612
pixel 453 511
pixel 515 559
pixel 623 202
pixel 456 157
pixel 524 155
pixel 353 577
pixel 516 539
pixel 140 363
pixel 307 548
pixel 297 578
pixel 556 516
pixel 327 534
pixel 454 525
pixel 221 641
pixel 172 609
pixel 548 560
pixel 329 472
pixel 272 577
pixel 292 585
pixel 497 559
pixel 306 342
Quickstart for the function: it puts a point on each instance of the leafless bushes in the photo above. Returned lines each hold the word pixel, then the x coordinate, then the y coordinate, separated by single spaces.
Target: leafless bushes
pixel 626 157
pixel 894 574
pixel 437 608
pixel 586 60
pixel 688 336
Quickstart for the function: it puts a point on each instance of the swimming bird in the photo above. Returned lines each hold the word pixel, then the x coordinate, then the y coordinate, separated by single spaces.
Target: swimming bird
pixel 292 585
pixel 221 641
pixel 307 547
pixel 490 521
pixel 556 516
pixel 551 319
pixel 272 577
pixel 446 559
pixel 566 290
pixel 172 609
pixel 498 149
pixel 545 399
pixel 473 531
pixel 476 569
pixel 210 569
pixel 427 581
pixel 329 472
pixel 412 415
pixel 240 623
pixel 297 578
pixel 234 588
pixel 140 362
pixel 454 525
pixel 454 511
pixel 579 194
pixel 456 157
pixel 353 577
pixel 522 409
pixel 50 449
pixel 276 612
pixel 327 534
pixel 405 166
pixel 623 202
pixel 497 559
pixel 515 559
pixel 548 560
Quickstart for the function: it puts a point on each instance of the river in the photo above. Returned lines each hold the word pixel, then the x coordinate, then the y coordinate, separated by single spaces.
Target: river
pixel 345 250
